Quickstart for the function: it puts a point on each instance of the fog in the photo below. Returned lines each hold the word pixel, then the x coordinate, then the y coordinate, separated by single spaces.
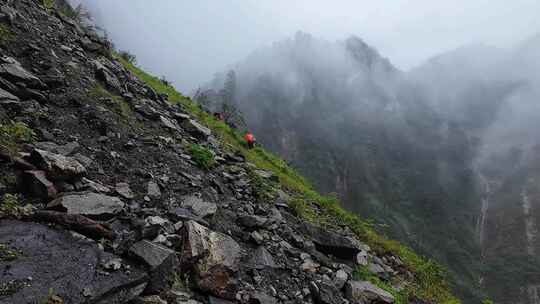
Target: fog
pixel 188 41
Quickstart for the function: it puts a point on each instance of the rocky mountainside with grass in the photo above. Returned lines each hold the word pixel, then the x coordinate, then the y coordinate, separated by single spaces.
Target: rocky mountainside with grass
pixel 115 188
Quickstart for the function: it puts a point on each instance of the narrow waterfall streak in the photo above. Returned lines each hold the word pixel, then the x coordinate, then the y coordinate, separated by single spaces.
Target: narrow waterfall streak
pixel 530 225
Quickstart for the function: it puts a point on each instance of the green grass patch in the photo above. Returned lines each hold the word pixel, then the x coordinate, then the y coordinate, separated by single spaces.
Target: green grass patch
pixel 202 157
pixel 7 254
pixel 13 135
pixel 48 4
pixel 116 103
pixel 430 277
pixel 362 273
pixel 6 35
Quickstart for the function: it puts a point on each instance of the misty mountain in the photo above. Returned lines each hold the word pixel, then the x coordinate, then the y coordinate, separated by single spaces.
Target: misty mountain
pixel 412 150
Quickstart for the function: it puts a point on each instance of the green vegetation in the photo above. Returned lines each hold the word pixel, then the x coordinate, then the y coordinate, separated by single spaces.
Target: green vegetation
pixel 117 103
pixel 487 301
pixel 7 254
pixel 52 298
pixel 6 35
pixel 48 4
pixel 430 278
pixel 10 204
pixel 13 134
pixel 203 157
pixel 10 287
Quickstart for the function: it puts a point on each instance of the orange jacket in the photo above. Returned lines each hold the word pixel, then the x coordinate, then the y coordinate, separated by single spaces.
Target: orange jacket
pixel 250 138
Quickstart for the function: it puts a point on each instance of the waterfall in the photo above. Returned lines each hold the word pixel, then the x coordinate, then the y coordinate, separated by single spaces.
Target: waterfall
pixel 530 225
pixel 482 220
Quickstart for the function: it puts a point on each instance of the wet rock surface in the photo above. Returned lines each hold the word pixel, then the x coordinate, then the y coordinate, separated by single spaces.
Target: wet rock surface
pixel 51 259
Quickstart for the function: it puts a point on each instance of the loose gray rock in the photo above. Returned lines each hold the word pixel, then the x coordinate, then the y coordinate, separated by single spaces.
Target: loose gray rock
pixel 340 278
pixel 362 258
pixel 196 129
pixel 57 166
pixel 216 258
pixel 153 190
pixel 124 190
pixel 152 254
pixel 12 70
pixel 90 204
pixel 363 291
pixel 199 206
pixel 261 259
pixel 6 96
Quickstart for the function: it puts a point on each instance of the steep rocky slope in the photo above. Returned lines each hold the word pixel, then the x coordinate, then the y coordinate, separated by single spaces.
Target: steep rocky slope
pixel 115 190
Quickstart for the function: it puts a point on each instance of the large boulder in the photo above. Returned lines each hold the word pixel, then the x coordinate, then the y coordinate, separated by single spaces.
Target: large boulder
pixel 163 264
pixel 45 259
pixel 196 129
pixel 57 166
pixel 105 75
pixel 364 291
pixel 198 206
pixel 93 205
pixel 332 243
pixel 12 70
pixel 214 257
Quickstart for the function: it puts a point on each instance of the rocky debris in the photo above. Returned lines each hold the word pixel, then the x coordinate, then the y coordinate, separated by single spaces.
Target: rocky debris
pixel 153 190
pixel 12 70
pixel 198 206
pixel 262 298
pixel 325 293
pixel 152 254
pixel 329 242
pixel 252 221
pixel 47 260
pixel 75 222
pixel 124 190
pixel 38 185
pixel 103 73
pixel 162 261
pixel 94 186
pixel 340 278
pixel 363 291
pixel 152 300
pixel 94 205
pixel 196 129
pixel 6 97
pixel 58 167
pixel 261 259
pixel 169 123
pixel 215 257
pixel 362 258
pixel 65 150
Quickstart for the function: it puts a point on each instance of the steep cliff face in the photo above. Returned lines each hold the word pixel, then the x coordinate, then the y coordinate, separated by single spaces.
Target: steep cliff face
pixel 116 189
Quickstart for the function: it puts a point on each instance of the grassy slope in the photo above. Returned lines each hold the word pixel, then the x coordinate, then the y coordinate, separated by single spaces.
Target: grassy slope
pixel 430 278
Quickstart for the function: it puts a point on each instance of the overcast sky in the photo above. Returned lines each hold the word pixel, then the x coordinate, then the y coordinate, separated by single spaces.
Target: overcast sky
pixel 188 41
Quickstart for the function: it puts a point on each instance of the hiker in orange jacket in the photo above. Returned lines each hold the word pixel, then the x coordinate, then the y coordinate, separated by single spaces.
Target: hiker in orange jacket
pixel 250 140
